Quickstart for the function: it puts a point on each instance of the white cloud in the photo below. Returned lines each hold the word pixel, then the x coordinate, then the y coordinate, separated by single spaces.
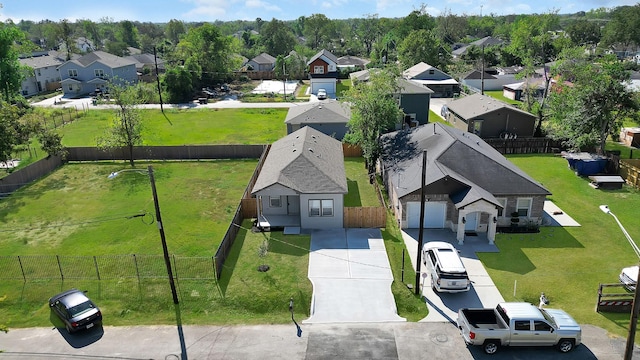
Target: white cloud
pixel 259 4
pixel 207 9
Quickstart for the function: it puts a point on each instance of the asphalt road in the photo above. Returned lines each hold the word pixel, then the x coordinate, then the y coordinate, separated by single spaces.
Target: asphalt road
pixel 402 341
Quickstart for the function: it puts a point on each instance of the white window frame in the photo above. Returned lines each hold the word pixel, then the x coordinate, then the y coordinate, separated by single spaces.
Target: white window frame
pixel 99 73
pixel 320 208
pixel 520 206
pixel 275 201
pixel 318 69
pixel 503 202
pixel 73 72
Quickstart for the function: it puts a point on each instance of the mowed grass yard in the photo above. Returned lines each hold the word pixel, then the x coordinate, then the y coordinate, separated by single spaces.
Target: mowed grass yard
pixel 569 263
pixel 186 127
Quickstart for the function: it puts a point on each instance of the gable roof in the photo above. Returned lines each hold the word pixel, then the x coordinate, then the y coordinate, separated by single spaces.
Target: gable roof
pixel 324 53
pixel 264 58
pixel 110 60
pixel 351 61
pixel 475 105
pixel 485 41
pixel 331 111
pixel 145 59
pixel 38 62
pixel 412 87
pixel 306 161
pixel 453 157
pixel 417 69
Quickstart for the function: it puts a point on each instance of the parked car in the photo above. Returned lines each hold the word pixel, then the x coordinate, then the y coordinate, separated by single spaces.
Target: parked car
pixel 445 267
pixel 444 111
pixel 322 94
pixel 629 277
pixel 76 310
pixel 518 324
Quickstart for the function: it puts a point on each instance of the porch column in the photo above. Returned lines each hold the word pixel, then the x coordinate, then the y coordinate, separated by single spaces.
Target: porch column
pixel 460 231
pixel 491 229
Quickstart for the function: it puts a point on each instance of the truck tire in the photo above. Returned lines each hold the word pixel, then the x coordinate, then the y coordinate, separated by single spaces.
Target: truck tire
pixel 565 345
pixel 491 346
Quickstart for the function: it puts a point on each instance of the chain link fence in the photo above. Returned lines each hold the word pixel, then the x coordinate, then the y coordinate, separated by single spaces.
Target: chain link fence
pixel 105 267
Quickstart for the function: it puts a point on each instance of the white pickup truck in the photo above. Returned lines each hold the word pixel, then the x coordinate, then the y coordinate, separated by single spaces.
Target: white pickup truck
pixel 518 324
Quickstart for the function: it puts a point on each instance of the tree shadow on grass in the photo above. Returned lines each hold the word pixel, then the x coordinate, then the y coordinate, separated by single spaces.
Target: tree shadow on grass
pixel 512 258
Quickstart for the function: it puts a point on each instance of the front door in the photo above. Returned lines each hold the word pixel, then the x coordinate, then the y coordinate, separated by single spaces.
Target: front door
pixel 293 205
pixel 471 221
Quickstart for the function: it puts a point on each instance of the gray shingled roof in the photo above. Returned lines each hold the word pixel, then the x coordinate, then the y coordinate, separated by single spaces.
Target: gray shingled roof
pixel 331 111
pixel 325 53
pixel 264 58
pixel 417 69
pixel 412 87
pixel 110 60
pixel 306 161
pixel 476 105
pixel 453 156
pixel 39 62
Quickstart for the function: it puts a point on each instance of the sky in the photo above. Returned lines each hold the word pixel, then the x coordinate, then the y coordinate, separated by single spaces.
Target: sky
pixel 161 11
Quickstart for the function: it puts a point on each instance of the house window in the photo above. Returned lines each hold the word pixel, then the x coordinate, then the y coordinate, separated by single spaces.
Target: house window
pixel 320 208
pixel 477 127
pixel 431 72
pixel 502 202
pixel 524 206
pixel 73 72
pixel 99 73
pixel 318 69
pixel 70 87
pixel 39 73
pixel 274 201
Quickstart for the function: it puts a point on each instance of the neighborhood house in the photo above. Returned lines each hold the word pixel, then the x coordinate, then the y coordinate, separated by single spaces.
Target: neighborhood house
pixel 92 71
pixel 470 187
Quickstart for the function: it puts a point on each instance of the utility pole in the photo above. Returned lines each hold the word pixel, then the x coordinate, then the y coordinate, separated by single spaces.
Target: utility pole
pixel 155 59
pixel 165 251
pixel 421 234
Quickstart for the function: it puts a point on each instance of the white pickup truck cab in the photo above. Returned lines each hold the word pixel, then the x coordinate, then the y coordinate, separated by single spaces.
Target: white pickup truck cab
pixel 518 324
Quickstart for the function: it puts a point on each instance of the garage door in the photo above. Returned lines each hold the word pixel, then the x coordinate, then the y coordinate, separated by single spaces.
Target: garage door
pixel 328 84
pixel 434 215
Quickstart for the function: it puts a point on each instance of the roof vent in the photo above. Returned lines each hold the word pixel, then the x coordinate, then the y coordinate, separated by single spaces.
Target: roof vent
pixel 310 150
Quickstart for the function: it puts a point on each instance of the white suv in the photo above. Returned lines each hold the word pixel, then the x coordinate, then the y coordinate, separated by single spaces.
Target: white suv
pixel 322 94
pixel 445 267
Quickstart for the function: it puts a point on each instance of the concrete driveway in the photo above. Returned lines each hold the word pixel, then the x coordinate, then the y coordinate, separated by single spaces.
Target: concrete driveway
pixel 351 277
pixel 445 306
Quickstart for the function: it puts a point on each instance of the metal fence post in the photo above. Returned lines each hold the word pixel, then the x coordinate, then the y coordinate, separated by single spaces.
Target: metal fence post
pixel 135 261
pixel 24 278
pixel 95 262
pixel 60 267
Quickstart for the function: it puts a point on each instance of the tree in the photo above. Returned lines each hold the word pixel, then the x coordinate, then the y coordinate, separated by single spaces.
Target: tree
pixel 317 30
pixel 277 38
pixel 175 29
pixel 127 33
pixel 205 50
pixel 178 84
pixel 592 103
pixel 9 130
pixel 368 31
pixel 66 35
pixel 451 28
pixel 126 127
pixel 423 45
pixel 374 111
pixel 624 27
pixel 583 32
pixel 10 73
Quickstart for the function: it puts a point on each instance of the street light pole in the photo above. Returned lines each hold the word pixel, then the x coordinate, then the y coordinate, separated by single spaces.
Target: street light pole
pixel 167 261
pixel 635 307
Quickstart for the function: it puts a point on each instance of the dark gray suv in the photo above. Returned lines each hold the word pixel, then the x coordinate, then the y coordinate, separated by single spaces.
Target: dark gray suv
pixel 76 310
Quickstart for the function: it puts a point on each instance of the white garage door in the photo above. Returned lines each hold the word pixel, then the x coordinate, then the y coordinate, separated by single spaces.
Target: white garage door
pixel 434 215
pixel 328 84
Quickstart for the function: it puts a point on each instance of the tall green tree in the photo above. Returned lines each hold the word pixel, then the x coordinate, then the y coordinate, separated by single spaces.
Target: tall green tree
pixel 584 32
pixel 368 31
pixel 9 130
pixel 590 101
pixel 317 30
pixel 206 50
pixel 277 38
pixel 624 27
pixel 178 83
pixel 127 33
pixel 175 29
pixel 66 35
pixel 126 127
pixel 10 73
pixel 423 45
pixel 374 111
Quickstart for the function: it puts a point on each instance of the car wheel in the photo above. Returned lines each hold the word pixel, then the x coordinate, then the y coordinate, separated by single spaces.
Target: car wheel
pixel 490 347
pixel 565 345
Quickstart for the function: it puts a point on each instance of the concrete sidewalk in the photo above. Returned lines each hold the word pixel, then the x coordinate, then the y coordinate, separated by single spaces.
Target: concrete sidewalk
pixel 351 277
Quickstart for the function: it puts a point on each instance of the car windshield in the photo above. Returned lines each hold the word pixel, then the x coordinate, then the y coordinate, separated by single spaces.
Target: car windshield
pixel 80 308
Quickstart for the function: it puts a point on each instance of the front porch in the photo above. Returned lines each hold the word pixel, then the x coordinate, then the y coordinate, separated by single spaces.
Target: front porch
pixel 270 222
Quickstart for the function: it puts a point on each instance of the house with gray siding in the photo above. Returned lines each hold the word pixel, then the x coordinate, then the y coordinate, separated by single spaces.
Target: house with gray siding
pixel 330 117
pixel 470 187
pixel 262 62
pixel 43 72
pixel 489 117
pixel 93 71
pixel 442 84
pixel 414 101
pixel 302 183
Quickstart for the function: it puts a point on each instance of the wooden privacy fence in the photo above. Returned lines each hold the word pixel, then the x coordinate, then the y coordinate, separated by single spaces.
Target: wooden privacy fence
pixel 365 217
pixel 630 171
pixel 528 145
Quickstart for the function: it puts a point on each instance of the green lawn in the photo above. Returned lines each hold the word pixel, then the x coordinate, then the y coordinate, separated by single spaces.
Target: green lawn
pixel 361 193
pixel 568 264
pixel 187 127
pixel 498 95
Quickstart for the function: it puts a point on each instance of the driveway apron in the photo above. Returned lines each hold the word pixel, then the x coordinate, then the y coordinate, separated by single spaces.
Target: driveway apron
pixel 351 277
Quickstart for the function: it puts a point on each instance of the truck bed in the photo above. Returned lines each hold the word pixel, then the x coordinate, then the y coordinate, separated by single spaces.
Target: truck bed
pixel 483 319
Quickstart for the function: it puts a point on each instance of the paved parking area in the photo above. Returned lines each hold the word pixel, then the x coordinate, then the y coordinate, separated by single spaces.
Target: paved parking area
pixel 351 277
pixel 445 306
